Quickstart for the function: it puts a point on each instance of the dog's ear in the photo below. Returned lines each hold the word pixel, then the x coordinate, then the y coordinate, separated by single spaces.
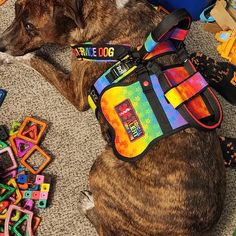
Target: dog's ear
pixel 19 6
pixel 74 10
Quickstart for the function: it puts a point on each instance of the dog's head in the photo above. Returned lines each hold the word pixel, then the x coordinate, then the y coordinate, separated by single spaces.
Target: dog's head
pixel 38 22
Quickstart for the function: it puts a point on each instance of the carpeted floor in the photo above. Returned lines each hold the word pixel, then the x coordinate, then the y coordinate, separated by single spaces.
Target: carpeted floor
pixel 74 138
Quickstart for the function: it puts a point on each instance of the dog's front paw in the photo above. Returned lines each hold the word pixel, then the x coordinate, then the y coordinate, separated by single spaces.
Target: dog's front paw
pixel 86 201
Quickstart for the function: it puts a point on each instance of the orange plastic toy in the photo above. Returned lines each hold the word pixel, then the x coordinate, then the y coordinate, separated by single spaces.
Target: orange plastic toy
pixel 34 171
pixel 34 133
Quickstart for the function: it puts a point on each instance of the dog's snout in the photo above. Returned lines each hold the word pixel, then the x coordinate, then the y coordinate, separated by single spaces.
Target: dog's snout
pixel 2 46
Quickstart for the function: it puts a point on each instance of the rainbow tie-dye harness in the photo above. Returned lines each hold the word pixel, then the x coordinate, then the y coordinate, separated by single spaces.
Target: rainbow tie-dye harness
pixel 161 101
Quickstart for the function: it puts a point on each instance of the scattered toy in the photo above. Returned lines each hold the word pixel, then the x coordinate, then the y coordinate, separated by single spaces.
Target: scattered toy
pixel 228 47
pixel 3 93
pixel 22 187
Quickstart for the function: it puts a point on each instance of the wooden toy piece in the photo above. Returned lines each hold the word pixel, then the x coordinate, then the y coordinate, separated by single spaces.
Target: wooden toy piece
pixel 34 132
pixel 42 204
pixel 42 166
pixel 10 155
pixel 15 126
pixel 45 187
pixel 3 93
pixel 35 195
pixel 2 145
pixel 39 179
pixel 4 136
pixel 27 217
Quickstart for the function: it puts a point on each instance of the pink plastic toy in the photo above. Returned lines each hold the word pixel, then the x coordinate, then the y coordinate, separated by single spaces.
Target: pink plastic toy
pixel 11 155
pixel 8 219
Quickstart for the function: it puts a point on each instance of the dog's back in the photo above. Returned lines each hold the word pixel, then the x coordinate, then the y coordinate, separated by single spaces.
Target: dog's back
pixel 178 187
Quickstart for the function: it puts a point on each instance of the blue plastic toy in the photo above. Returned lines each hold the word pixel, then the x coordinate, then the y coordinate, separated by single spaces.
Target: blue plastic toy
pixel 3 94
pixel 194 7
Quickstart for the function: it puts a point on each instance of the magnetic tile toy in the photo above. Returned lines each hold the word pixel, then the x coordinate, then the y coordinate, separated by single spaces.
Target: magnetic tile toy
pixel 23 183
pixel 3 133
pixel 15 126
pixel 2 145
pixel 11 156
pixel 4 205
pixel 36 133
pixel 27 217
pixel 32 132
pixel 24 160
pixel 6 191
pixel 11 174
pixel 12 183
pixel 20 146
pixel 36 223
pixel 16 217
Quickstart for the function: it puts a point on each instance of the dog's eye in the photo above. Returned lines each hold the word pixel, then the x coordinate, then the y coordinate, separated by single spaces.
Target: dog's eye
pixel 29 27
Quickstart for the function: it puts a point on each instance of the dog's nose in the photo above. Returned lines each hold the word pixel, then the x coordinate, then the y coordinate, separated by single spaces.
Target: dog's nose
pixel 2 46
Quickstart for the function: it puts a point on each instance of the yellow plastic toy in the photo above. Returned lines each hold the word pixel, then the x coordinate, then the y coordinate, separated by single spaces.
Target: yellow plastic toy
pixel 228 47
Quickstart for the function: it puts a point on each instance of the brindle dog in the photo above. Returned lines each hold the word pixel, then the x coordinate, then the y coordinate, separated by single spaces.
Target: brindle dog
pixel 178 188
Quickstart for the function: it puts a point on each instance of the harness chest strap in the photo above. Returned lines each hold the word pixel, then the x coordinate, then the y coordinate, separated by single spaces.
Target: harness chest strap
pixel 161 102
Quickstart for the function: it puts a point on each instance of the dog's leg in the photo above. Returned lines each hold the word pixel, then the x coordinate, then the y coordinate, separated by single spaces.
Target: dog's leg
pixel 88 209
pixel 64 83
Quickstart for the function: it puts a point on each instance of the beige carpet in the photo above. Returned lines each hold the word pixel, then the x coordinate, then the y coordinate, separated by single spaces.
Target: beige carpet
pixel 75 140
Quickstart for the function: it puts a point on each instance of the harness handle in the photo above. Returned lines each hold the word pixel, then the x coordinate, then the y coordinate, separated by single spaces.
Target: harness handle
pixel 175 26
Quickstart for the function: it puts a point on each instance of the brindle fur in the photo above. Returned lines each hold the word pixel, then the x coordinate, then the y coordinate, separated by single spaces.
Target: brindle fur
pixel 178 188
